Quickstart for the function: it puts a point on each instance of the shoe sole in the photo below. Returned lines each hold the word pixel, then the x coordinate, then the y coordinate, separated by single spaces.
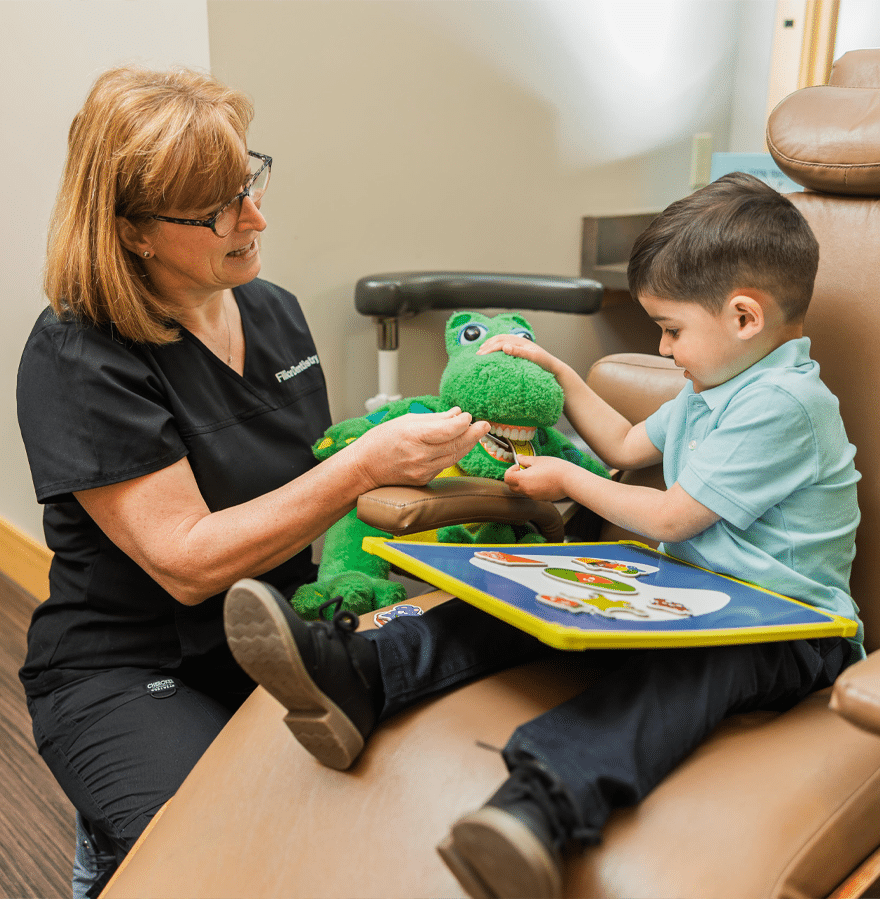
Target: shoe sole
pixel 259 637
pixel 494 856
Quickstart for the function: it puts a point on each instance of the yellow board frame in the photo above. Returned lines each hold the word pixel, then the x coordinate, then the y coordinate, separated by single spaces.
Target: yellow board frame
pixel 627 637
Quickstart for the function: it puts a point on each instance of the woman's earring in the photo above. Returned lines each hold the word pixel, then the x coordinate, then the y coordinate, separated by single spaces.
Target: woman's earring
pixel 147 254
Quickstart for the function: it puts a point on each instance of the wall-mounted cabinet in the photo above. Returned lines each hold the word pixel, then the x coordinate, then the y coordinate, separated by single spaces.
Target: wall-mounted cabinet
pixel 606 242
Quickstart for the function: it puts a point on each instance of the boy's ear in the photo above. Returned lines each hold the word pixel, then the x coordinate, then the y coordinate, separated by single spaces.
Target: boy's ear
pixel 131 237
pixel 748 312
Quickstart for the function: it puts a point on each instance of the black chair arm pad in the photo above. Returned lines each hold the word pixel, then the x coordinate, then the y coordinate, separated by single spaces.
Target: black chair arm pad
pixel 407 293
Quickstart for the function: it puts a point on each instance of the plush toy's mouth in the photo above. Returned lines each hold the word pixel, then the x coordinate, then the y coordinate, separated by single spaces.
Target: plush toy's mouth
pixel 512 432
pixel 509 433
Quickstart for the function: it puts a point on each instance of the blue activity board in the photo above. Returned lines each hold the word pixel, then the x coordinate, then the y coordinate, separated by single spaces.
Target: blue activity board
pixel 608 595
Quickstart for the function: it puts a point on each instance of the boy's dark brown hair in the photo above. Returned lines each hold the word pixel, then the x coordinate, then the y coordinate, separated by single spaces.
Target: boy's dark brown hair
pixel 736 233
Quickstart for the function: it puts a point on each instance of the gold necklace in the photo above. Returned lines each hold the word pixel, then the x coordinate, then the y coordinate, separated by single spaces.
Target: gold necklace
pixel 228 335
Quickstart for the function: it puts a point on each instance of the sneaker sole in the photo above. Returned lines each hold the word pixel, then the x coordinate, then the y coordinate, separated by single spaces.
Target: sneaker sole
pixel 494 856
pixel 260 640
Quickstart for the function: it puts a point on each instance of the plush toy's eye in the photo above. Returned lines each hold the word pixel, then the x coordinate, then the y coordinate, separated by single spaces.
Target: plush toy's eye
pixel 472 333
pixel 522 332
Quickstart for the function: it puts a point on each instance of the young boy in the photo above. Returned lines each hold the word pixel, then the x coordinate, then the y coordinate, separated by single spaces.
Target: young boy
pixel 761 486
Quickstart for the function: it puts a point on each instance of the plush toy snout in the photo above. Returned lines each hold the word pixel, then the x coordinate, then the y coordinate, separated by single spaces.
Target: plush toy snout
pixel 504 389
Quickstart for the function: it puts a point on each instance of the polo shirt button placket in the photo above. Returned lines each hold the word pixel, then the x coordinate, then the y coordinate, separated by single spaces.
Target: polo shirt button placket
pixel 697 410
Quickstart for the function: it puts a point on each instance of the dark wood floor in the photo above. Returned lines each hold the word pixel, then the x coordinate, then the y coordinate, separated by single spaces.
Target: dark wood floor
pixel 36 820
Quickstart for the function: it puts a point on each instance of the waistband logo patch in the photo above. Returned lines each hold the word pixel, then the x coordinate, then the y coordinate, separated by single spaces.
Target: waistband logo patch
pixel 161 689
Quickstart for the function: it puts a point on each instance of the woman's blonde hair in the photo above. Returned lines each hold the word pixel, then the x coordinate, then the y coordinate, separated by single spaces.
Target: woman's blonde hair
pixel 143 142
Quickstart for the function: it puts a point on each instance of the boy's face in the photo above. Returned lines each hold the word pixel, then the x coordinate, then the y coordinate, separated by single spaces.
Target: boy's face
pixel 705 344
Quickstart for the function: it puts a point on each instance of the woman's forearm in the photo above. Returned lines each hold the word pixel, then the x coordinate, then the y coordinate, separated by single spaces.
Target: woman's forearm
pixel 162 521
pixel 257 536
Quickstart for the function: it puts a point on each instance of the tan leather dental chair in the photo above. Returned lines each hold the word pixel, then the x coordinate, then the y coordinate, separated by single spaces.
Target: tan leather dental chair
pixel 772 805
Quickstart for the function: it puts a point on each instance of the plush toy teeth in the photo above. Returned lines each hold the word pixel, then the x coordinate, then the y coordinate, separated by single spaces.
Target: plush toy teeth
pixel 499 448
pixel 511 432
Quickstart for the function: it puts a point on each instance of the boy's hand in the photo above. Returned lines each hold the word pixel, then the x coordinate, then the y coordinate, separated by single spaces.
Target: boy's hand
pixel 522 347
pixel 540 477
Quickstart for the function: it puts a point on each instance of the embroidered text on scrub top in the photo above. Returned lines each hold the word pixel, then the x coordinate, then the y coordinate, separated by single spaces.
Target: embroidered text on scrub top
pixel 296 368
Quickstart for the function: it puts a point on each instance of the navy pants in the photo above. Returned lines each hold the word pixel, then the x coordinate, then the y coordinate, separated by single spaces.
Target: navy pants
pixel 120 742
pixel 648 709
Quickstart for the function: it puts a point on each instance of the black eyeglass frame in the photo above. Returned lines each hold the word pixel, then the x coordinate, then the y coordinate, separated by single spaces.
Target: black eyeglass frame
pixel 211 221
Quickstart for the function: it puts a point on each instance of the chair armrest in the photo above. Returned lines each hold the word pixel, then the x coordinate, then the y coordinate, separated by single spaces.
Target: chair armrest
pixel 635 384
pixel 448 501
pixel 407 293
pixel 856 694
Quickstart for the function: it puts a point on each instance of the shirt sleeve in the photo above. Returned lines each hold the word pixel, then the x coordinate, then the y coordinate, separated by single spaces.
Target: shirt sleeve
pixel 763 450
pixel 657 424
pixel 92 412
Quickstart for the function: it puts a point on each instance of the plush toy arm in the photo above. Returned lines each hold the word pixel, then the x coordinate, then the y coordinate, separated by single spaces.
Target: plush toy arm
pixel 550 442
pixel 338 436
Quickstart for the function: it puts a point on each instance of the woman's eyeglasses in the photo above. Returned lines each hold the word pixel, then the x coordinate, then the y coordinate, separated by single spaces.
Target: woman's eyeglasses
pixel 226 217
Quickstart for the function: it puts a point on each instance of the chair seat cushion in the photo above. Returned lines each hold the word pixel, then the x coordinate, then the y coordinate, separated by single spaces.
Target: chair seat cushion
pixel 769 806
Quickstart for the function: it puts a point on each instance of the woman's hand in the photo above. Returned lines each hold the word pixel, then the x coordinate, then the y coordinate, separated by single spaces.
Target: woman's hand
pixel 540 477
pixel 415 448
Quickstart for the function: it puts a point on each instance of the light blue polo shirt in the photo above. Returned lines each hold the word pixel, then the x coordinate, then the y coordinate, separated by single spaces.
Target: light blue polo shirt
pixel 767 451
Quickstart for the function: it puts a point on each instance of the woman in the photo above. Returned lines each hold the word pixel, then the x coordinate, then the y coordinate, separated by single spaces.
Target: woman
pixel 168 401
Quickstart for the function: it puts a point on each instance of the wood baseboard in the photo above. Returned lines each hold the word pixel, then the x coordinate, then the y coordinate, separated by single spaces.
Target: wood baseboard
pixel 24 560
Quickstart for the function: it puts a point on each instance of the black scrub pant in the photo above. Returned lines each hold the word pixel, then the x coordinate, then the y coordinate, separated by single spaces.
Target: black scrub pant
pixel 120 742
pixel 648 709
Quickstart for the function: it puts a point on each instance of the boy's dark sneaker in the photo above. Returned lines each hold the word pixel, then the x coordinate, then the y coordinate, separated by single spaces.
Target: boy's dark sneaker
pixel 324 674
pixel 508 849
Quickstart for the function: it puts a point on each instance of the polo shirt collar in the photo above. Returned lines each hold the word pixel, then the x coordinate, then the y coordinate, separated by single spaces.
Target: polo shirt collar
pixel 791 354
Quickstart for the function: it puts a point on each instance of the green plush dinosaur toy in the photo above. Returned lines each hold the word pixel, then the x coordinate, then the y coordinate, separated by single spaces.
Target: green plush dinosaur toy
pixel 519 399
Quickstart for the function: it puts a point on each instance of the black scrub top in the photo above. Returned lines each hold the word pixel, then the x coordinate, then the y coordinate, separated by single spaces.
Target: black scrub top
pixel 95 410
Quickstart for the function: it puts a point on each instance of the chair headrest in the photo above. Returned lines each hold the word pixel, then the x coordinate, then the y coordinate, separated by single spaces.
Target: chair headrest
pixel 827 138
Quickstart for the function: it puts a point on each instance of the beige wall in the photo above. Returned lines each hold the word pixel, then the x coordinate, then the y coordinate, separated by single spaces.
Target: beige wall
pixel 465 135
pixel 407 134
pixel 52 52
